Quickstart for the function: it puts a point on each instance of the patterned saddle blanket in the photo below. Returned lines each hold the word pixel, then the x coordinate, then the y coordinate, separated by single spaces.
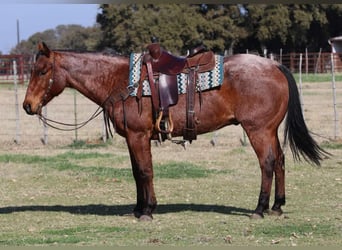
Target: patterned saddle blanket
pixel 206 80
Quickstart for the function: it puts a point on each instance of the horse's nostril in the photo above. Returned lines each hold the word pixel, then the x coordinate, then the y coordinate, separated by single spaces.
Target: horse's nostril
pixel 28 109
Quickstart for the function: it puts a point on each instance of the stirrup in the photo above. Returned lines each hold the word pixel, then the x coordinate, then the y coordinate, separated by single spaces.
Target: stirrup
pixel 168 123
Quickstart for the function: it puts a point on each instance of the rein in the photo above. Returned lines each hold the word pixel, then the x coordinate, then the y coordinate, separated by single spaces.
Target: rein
pixel 72 127
pixel 52 123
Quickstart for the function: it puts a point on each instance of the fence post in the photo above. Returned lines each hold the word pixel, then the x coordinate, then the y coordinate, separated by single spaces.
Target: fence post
pixel 292 64
pixel 306 61
pixel 21 66
pixel 300 82
pixel 75 115
pixel 17 124
pixel 104 127
pixel 44 140
pixel 318 60
pixel 334 96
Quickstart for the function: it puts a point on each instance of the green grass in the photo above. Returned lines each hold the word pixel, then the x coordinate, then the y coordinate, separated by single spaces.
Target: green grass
pixel 318 77
pixel 294 230
pixel 82 144
pixel 330 145
pixel 66 162
pixel 63 197
pixel 63 236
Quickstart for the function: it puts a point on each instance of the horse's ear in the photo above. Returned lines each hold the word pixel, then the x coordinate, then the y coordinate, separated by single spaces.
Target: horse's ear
pixel 43 49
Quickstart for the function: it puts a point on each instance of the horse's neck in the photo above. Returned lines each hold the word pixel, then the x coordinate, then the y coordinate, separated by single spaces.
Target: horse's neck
pixel 95 75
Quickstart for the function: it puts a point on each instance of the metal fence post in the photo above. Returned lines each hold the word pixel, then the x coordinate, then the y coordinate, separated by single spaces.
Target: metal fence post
pixel 300 82
pixel 333 85
pixel 75 115
pixel 45 128
pixel 17 123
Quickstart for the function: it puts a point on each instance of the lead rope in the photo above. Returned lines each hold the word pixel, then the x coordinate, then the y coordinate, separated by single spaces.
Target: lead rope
pixel 123 96
pixel 52 123
pixel 75 126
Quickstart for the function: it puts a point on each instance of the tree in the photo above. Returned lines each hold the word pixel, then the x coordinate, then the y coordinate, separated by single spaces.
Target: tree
pixel 267 24
pixel 292 27
pixel 128 28
pixel 30 46
pixel 179 27
pixel 308 22
pixel 68 37
pixel 76 37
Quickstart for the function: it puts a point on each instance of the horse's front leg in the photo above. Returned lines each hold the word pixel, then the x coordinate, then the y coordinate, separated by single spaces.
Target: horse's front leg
pixel 139 145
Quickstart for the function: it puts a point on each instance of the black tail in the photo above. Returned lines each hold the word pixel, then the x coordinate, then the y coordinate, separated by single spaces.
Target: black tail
pixel 296 132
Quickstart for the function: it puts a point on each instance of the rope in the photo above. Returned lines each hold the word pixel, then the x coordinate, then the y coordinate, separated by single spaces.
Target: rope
pixel 75 126
pixel 52 123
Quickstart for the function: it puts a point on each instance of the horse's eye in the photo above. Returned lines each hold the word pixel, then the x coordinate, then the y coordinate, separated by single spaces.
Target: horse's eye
pixel 42 73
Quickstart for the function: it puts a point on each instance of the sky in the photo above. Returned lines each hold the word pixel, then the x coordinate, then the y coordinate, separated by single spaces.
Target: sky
pixel 35 18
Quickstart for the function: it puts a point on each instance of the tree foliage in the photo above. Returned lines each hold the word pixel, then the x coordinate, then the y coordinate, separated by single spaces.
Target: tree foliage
pixel 291 27
pixel 179 27
pixel 69 37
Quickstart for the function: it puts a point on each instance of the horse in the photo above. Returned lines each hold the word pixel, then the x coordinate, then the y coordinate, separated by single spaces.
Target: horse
pixel 257 93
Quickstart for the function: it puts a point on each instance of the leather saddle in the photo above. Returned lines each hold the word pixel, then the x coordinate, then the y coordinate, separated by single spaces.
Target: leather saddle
pixel 162 69
pixel 166 63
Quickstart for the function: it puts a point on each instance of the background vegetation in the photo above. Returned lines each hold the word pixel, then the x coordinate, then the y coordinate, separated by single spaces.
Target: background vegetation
pixel 127 28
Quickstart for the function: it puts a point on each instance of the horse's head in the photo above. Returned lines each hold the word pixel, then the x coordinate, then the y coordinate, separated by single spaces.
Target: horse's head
pixel 46 81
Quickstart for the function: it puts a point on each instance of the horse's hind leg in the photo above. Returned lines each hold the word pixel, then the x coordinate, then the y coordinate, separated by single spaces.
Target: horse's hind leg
pixel 271 159
pixel 279 171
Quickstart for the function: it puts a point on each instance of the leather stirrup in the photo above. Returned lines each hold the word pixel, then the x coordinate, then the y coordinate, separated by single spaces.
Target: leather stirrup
pixel 168 121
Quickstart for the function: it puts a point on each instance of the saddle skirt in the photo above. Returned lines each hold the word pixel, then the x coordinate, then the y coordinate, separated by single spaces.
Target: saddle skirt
pixel 206 80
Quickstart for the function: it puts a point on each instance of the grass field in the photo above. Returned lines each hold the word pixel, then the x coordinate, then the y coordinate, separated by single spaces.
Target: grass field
pixel 83 193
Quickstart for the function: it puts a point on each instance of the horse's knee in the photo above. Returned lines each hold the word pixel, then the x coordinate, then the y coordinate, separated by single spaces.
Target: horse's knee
pixel 143 174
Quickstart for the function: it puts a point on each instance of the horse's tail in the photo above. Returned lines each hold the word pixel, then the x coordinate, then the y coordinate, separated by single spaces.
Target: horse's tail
pixel 296 132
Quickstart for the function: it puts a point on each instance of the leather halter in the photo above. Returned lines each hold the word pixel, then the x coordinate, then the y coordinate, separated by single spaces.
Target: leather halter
pixel 122 96
pixel 51 81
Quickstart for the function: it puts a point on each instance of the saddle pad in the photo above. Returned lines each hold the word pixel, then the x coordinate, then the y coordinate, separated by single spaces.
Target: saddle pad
pixel 207 80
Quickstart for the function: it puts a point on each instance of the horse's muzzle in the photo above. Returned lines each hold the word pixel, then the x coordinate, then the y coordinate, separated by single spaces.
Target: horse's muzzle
pixel 27 108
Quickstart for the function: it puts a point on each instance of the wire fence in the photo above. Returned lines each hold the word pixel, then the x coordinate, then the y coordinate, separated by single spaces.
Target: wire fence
pixel 321 104
pixel 22 129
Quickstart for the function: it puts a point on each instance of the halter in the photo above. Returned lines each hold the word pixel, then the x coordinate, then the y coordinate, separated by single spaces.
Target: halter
pixel 50 122
pixel 51 81
pixel 53 124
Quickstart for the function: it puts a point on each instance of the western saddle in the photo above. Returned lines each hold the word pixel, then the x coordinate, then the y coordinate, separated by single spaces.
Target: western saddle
pixel 162 69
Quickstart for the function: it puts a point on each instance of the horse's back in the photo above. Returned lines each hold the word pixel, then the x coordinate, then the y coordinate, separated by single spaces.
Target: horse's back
pixel 247 65
pixel 259 88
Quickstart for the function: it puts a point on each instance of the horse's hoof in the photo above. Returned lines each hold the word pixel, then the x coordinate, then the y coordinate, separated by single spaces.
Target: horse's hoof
pixel 256 216
pixel 278 212
pixel 145 218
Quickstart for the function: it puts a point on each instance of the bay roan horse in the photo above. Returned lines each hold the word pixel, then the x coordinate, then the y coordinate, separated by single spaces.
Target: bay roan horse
pixel 256 93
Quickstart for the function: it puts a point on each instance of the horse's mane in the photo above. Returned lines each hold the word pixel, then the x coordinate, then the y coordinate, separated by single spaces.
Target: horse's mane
pixel 106 52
